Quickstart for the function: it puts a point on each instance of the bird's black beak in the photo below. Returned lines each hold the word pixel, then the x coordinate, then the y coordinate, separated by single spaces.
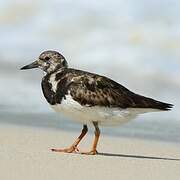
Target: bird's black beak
pixel 30 66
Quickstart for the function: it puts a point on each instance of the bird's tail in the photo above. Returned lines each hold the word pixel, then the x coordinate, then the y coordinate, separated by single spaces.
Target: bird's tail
pixel 144 102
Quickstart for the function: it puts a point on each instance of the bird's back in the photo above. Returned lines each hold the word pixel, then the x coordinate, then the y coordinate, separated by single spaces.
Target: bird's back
pixel 89 89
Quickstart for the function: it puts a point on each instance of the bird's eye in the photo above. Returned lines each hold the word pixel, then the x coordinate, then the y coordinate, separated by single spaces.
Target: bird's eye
pixel 46 58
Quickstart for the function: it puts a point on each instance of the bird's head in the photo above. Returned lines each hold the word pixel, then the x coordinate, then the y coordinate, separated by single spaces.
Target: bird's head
pixel 48 61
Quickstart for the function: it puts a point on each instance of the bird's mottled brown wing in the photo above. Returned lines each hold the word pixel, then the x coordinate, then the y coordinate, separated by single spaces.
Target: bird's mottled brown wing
pixel 94 90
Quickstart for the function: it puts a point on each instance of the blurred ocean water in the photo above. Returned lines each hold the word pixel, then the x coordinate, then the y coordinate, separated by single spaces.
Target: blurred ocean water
pixel 134 43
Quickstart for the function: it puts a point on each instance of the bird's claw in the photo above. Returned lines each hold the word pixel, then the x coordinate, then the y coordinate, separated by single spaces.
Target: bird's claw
pixel 92 152
pixel 72 149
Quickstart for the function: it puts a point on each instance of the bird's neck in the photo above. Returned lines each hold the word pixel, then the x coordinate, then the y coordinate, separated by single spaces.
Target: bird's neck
pixel 56 70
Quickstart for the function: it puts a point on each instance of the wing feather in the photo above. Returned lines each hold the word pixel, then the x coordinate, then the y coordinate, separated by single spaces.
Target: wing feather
pixel 99 90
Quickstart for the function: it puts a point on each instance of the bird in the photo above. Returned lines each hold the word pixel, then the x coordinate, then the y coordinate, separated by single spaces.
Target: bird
pixel 89 98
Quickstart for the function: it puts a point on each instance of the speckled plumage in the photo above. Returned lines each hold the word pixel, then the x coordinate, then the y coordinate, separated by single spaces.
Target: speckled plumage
pixel 90 89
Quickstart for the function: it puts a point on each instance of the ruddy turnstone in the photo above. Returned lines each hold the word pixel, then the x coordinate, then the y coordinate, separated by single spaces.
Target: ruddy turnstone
pixel 89 98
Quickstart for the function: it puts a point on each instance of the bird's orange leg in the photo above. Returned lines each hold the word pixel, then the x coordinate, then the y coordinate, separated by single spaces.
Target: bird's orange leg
pixel 96 139
pixel 73 148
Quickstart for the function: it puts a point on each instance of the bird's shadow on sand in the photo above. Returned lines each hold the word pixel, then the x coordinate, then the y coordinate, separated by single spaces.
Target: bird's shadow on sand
pixel 138 156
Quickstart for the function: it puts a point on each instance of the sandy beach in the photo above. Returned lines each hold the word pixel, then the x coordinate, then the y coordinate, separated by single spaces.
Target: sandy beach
pixel 25 154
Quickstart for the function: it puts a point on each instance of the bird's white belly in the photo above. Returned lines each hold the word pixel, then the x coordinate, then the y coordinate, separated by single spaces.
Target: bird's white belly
pixel 103 115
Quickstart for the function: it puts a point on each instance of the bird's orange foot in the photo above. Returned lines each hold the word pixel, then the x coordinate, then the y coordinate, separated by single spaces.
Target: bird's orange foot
pixel 71 149
pixel 92 152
